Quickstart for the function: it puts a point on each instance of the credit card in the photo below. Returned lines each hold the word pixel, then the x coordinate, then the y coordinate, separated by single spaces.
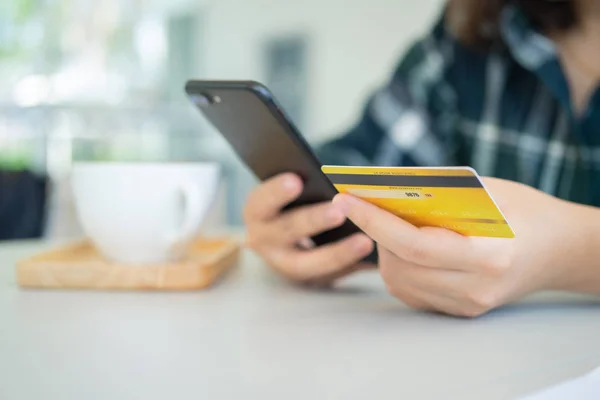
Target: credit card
pixel 452 198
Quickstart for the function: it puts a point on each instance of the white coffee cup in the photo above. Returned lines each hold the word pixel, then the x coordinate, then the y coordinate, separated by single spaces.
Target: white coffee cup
pixel 143 213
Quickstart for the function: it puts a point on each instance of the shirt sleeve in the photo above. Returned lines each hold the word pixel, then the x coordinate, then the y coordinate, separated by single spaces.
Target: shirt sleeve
pixel 408 122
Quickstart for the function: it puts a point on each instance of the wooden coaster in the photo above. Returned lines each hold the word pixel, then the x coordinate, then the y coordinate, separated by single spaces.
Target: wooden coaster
pixel 80 266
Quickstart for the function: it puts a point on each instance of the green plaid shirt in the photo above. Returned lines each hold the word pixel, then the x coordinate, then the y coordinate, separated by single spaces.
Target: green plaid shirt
pixel 507 113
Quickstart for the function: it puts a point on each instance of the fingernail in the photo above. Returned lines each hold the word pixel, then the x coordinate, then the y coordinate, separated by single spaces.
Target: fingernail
pixel 290 184
pixel 334 216
pixel 340 202
pixel 362 245
pixel 343 203
pixel 306 244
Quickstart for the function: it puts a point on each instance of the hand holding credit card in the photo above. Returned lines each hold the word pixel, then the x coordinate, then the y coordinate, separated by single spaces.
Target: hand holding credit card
pixel 452 198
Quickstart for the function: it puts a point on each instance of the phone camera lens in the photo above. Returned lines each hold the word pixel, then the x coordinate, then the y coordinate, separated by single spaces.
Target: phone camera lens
pixel 203 100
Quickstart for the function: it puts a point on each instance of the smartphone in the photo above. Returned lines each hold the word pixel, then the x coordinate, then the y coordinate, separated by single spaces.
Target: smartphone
pixel 256 126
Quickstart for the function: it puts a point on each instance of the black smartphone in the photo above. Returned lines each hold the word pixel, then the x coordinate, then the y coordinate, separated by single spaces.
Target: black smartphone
pixel 255 125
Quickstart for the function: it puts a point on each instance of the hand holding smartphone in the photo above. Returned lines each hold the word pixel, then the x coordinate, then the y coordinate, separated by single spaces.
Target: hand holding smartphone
pixel 250 119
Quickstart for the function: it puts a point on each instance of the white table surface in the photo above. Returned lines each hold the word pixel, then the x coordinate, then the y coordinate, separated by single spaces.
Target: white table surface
pixel 255 337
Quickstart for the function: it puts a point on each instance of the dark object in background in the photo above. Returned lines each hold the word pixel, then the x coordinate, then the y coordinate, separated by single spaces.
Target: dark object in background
pixel 22 205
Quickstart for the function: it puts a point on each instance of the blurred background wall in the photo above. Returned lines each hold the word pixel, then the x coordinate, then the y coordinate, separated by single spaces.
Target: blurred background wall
pixel 103 79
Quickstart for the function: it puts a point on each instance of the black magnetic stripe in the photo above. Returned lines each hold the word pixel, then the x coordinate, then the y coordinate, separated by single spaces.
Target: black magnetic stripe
pixel 405 180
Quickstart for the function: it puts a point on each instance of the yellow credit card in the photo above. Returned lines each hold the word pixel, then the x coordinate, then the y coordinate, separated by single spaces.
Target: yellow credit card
pixel 453 198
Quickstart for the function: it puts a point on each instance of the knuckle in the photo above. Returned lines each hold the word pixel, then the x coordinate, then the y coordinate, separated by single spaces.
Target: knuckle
pixel 415 251
pixel 316 217
pixel 471 312
pixel 412 303
pixel 304 219
pixel 481 301
pixel 497 265
pixel 254 204
pixel 287 228
pixel 341 257
pixel 358 216
pixel 478 312
pixel 365 222
pixel 304 222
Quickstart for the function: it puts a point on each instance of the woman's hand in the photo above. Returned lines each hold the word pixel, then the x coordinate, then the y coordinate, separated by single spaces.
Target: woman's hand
pixel 281 238
pixel 439 270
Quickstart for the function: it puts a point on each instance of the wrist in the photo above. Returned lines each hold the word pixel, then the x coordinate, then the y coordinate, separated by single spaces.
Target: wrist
pixel 578 258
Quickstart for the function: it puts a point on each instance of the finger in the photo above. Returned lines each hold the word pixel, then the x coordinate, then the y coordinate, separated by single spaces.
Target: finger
pixel 439 290
pixel 323 261
pixel 413 295
pixel 471 293
pixel 431 247
pixel 403 292
pixel 267 200
pixel 296 225
pixel 444 282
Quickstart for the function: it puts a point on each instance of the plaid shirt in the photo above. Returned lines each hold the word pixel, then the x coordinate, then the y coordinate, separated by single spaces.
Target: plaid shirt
pixel 507 113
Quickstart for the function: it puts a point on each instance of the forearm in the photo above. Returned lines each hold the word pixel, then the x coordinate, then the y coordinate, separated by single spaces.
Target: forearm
pixel 580 259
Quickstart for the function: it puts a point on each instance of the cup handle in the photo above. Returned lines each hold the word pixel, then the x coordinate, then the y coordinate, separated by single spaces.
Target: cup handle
pixel 193 213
